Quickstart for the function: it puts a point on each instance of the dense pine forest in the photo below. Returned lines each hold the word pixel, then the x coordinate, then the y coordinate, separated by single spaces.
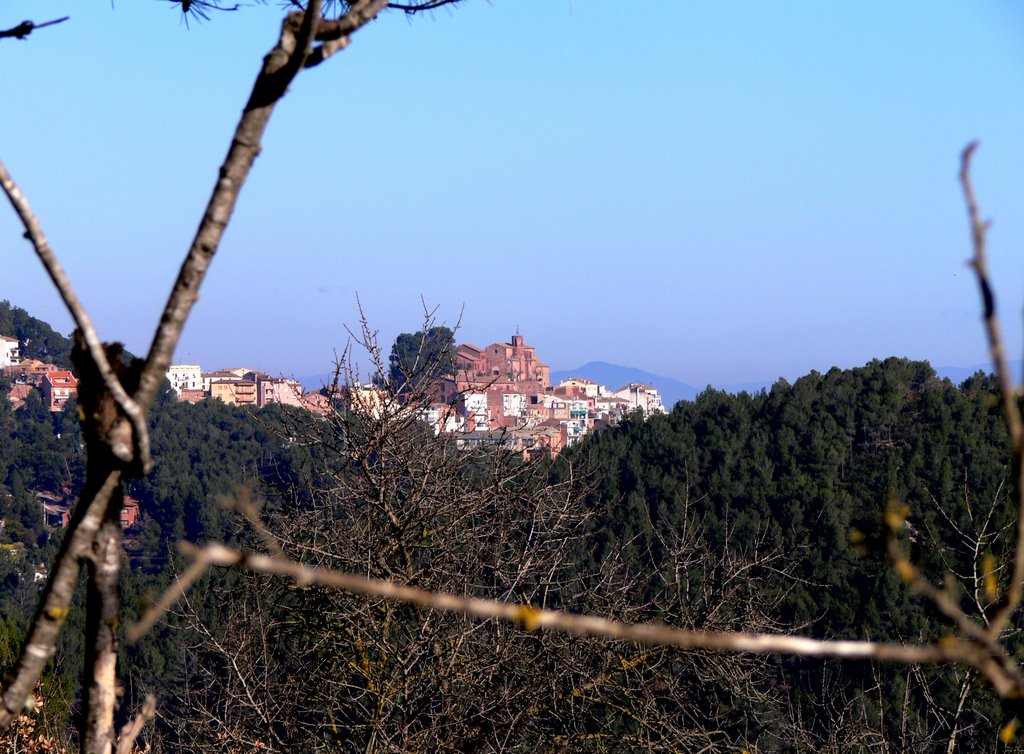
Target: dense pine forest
pixel 760 512
pixel 795 482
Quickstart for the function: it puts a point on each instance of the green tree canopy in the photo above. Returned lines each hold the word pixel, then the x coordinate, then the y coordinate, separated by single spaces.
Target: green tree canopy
pixel 38 339
pixel 423 355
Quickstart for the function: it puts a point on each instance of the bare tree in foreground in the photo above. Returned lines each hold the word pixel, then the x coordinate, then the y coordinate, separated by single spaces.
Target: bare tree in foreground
pixel 116 400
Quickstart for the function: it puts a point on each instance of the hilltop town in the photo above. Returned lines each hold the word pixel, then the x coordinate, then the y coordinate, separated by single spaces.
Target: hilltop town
pixel 501 394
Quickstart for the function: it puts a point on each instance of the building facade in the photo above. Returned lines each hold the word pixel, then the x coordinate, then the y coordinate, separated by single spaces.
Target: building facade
pixel 9 352
pixel 279 390
pixel 500 368
pixel 235 392
pixel 58 388
pixel 185 377
pixel 643 397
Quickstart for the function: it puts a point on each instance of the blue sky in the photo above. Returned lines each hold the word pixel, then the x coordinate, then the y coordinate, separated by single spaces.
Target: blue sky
pixel 719 192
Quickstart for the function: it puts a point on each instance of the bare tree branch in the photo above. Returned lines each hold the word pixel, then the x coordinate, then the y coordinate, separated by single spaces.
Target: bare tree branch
pixel 334 36
pixel 130 732
pixel 998 670
pixel 979 262
pixel 359 14
pixel 22 30
pixel 979 228
pixel 103 621
pixel 280 67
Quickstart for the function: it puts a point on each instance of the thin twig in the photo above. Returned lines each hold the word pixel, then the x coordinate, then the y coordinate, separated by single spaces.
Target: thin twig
pixel 979 262
pixel 131 409
pixel 413 8
pixel 171 595
pixel 22 30
pixel 942 599
pixel 241 501
pixel 132 729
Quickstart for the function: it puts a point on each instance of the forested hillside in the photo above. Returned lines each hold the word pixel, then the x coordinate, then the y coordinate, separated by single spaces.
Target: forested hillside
pixel 38 339
pixel 733 512
pixel 805 465
pixel 805 472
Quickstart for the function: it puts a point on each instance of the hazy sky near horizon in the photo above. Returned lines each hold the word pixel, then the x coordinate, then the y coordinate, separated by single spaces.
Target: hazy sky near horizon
pixel 720 192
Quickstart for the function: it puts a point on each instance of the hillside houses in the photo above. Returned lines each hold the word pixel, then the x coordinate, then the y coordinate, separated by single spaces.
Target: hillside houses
pixel 499 394
pixel 56 386
pixel 240 386
pixel 57 508
pixel 502 394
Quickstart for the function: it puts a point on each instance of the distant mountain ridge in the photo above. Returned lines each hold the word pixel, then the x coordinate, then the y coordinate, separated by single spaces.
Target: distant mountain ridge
pixel 316 381
pixel 614 376
pixel 959 374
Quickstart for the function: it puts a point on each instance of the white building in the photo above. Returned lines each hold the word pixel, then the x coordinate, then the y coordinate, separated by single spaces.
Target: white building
pixel 514 405
pixel 610 407
pixel 185 377
pixel 474 408
pixel 643 397
pixel 9 355
pixel 575 430
pixel 442 418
